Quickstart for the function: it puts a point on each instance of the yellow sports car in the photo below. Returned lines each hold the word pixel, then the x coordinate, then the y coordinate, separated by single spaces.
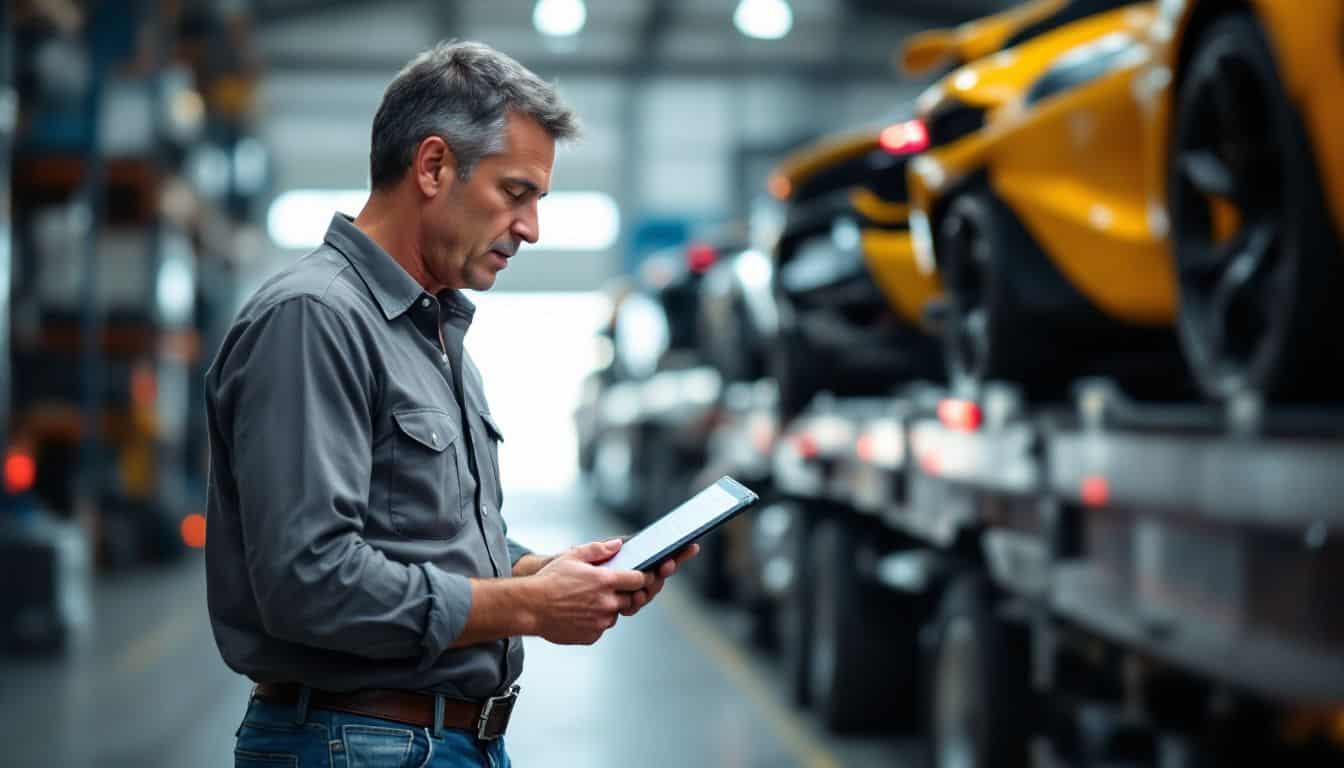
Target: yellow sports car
pixel 1084 184
pixel 849 294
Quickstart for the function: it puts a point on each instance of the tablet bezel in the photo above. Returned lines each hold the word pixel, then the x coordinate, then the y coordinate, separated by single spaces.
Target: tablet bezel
pixel 744 497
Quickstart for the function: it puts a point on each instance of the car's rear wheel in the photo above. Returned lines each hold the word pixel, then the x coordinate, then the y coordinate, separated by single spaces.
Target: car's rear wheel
pixel 1255 255
pixel 983 333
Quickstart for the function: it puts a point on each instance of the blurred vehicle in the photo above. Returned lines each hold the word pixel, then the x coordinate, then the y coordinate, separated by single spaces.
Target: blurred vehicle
pixel 647 417
pixel 1030 204
pixel 1086 183
pixel 850 300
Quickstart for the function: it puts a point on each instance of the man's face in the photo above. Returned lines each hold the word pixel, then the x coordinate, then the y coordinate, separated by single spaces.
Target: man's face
pixel 475 226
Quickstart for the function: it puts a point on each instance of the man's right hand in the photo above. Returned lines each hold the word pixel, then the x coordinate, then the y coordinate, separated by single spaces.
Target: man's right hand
pixel 578 600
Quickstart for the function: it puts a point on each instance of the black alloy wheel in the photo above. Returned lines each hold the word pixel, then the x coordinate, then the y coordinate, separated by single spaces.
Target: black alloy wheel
pixel 1255 256
pixel 986 332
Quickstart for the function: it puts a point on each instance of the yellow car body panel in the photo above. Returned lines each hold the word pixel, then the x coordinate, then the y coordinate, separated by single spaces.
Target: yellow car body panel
pixel 977 38
pixel 890 256
pixel 799 167
pixel 1070 172
pixel 1308 43
pixel 1068 165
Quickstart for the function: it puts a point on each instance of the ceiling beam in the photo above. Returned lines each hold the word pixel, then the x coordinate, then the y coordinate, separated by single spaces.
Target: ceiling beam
pixel 873 70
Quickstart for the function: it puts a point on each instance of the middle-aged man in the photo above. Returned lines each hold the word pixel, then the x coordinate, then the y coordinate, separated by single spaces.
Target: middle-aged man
pixel 358 565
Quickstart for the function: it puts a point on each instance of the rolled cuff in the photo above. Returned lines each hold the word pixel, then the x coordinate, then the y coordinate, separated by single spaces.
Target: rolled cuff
pixel 516 551
pixel 450 603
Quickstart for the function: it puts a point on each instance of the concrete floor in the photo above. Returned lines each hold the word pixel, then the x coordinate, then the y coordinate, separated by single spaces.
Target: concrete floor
pixel 673 686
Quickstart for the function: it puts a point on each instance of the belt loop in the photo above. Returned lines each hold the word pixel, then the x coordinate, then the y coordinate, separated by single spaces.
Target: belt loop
pixel 438 715
pixel 301 712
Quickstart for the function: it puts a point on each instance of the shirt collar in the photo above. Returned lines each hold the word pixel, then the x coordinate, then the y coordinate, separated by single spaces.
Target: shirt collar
pixel 392 286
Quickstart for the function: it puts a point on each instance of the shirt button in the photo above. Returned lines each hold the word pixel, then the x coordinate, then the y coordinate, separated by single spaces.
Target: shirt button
pixel 444 358
pixel 434 438
pixel 424 303
pixel 485 510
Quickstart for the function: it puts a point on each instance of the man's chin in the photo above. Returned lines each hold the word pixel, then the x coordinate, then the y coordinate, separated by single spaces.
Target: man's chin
pixel 483 281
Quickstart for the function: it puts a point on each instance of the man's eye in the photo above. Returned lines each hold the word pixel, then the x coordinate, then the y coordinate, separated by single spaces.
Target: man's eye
pixel 516 194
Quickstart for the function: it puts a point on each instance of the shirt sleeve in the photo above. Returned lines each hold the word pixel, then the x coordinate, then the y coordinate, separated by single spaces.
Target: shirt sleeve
pixel 299 388
pixel 516 551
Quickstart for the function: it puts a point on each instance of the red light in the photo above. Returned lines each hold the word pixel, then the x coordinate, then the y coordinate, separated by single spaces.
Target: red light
pixel 930 463
pixel 700 257
pixel 806 446
pixel 193 530
pixel 904 138
pixel 20 472
pixel 762 437
pixel 1095 491
pixel 866 447
pixel 962 415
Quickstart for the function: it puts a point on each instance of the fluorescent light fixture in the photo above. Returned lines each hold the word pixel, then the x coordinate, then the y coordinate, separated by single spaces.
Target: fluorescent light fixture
pixel 559 18
pixel 569 221
pixel 763 19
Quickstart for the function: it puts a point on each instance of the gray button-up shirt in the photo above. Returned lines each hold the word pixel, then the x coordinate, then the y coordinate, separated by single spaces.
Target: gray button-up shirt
pixel 354 482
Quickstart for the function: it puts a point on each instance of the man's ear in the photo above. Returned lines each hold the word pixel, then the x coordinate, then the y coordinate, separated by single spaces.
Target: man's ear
pixel 434 166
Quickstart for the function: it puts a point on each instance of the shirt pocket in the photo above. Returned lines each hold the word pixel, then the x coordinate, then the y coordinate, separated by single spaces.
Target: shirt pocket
pixel 425 497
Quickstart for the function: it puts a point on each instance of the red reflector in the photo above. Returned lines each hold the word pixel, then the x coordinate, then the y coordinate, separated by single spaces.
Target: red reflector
pixel 963 415
pixel 904 138
pixel 762 438
pixel 193 530
pixel 700 257
pixel 866 447
pixel 806 446
pixel 930 464
pixel 1095 491
pixel 20 472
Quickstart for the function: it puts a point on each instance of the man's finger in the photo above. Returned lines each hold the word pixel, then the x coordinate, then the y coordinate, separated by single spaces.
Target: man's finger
pixel 597 551
pixel 626 581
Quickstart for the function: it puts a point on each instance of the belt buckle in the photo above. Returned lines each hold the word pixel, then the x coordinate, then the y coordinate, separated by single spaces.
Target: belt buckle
pixel 495 715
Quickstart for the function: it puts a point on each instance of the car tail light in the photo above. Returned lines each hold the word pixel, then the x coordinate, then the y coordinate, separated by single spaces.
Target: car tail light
pixel 700 257
pixel 1095 491
pixel 762 434
pixel 806 445
pixel 193 530
pixel 961 415
pixel 20 471
pixel 905 138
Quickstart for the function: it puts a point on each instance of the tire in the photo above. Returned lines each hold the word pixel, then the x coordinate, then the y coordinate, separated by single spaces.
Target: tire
pixel 862 669
pixel 793 365
pixel 1257 260
pixel 987 331
pixel 978 700
pixel 794 616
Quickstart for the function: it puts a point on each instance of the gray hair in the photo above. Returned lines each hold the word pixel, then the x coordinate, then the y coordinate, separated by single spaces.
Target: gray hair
pixel 461 92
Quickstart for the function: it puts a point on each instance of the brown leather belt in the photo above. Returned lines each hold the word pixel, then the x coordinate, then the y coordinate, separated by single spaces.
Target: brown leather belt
pixel 488 720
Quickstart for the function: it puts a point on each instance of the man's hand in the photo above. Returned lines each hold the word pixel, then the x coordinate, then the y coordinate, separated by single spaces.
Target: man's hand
pixel 578 600
pixel 653 580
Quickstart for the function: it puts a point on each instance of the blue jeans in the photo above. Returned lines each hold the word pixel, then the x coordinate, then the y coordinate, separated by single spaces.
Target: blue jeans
pixel 271 736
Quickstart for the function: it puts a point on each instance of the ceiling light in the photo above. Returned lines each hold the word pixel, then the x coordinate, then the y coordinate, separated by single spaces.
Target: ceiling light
pixel 559 18
pixel 763 19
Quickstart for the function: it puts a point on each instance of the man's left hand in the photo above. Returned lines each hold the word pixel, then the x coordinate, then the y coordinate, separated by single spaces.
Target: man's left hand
pixel 653 580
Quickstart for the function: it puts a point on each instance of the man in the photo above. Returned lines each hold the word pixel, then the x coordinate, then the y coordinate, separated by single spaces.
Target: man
pixel 358 567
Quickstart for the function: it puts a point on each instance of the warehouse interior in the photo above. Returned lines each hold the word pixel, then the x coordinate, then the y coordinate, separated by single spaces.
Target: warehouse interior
pixel 162 159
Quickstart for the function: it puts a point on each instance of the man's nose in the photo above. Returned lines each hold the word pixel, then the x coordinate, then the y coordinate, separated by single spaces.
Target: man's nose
pixel 526 227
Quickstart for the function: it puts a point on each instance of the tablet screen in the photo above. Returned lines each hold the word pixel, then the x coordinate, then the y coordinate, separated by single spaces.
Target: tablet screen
pixel 694 514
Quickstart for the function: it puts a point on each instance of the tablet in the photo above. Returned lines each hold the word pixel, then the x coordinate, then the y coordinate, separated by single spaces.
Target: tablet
pixel 699 515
